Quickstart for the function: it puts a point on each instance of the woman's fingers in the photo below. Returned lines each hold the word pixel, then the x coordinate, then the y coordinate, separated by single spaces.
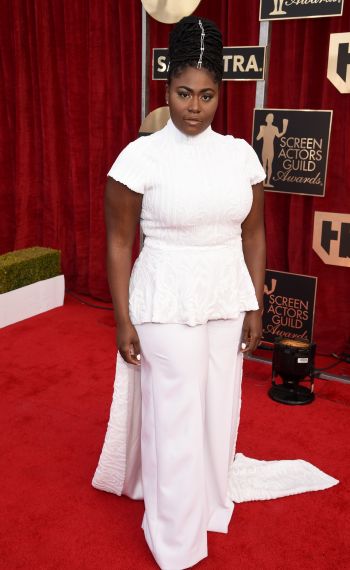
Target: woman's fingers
pixel 136 352
pixel 254 343
pixel 130 355
pixel 247 340
pixel 126 354
pixel 129 344
pixel 250 344
pixel 251 332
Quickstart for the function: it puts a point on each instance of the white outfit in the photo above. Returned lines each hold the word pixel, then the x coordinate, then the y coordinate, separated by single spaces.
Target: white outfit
pixel 191 397
pixel 197 192
pixel 189 290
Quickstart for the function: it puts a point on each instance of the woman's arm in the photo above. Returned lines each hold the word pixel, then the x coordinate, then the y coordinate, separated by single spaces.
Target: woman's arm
pixel 254 250
pixel 122 216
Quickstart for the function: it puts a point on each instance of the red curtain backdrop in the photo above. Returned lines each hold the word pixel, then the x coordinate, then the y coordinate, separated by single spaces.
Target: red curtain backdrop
pixel 70 75
pixel 70 79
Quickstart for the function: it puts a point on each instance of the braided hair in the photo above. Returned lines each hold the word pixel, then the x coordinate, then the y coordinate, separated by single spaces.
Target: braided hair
pixel 186 43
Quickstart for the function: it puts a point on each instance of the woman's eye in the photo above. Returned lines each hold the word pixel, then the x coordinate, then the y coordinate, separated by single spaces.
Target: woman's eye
pixel 183 94
pixel 206 98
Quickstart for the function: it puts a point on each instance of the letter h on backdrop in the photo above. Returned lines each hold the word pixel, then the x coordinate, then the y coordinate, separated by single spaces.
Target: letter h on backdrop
pixel 331 239
pixel 338 71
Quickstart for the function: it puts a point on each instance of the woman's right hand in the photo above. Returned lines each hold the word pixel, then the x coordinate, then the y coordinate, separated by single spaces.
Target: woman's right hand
pixel 128 343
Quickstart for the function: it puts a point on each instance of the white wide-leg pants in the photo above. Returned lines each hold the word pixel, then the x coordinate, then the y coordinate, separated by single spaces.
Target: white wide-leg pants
pixel 191 397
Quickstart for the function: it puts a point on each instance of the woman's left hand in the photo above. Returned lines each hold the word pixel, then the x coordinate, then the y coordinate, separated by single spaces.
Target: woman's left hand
pixel 251 331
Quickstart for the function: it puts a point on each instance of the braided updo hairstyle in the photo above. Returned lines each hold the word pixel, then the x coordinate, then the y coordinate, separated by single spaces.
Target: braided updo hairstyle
pixel 185 47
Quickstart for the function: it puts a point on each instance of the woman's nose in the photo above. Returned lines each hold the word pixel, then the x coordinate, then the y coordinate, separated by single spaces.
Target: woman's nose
pixel 194 105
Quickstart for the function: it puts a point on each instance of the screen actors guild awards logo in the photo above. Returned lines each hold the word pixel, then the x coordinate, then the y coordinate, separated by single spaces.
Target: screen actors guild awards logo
pixel 293 148
pixel 289 302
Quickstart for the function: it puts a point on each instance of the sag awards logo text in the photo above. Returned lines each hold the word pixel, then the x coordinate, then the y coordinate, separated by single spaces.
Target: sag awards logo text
pixel 288 305
pixel 293 147
pixel 285 9
pixel 287 312
pixel 296 154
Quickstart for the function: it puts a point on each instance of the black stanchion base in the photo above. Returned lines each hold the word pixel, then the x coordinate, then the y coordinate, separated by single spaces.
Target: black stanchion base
pixel 292 395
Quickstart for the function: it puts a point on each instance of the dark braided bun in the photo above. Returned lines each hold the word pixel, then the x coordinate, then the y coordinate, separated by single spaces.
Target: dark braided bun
pixel 185 47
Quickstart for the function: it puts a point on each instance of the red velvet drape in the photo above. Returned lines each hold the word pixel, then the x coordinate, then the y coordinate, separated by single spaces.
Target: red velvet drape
pixel 70 81
pixel 70 75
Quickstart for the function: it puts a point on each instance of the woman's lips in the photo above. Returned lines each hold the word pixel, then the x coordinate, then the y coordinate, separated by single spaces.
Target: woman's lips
pixel 193 122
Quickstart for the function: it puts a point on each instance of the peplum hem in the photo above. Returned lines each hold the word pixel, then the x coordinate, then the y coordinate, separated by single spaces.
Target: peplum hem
pixel 190 285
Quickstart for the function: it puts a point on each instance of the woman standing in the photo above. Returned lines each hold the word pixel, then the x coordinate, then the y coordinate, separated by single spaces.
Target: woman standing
pixel 193 303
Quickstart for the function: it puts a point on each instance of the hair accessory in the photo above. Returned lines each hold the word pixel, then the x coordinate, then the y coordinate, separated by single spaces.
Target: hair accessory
pixel 195 42
pixel 199 64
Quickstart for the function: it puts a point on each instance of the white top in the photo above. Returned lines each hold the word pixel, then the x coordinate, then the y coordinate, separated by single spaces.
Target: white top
pixel 197 192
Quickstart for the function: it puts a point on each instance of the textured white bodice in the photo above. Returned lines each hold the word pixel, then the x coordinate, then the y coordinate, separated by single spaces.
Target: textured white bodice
pixel 197 192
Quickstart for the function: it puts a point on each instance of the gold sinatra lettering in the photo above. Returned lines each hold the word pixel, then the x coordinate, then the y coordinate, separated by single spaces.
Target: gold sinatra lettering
pixel 161 63
pixel 238 63
pixel 252 64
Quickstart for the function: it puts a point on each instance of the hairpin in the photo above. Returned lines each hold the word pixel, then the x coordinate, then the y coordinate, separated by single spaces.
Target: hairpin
pixel 199 64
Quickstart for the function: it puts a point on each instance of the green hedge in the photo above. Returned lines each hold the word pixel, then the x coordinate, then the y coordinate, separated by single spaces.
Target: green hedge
pixel 26 266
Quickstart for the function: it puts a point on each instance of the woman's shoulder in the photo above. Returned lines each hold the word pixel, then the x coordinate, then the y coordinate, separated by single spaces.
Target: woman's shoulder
pixel 143 141
pixel 140 149
pixel 142 144
pixel 232 142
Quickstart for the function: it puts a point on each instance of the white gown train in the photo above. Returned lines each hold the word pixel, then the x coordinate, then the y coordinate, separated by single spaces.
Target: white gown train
pixel 190 379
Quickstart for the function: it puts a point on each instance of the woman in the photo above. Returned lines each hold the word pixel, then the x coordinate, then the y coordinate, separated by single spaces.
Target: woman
pixel 192 308
pixel 194 301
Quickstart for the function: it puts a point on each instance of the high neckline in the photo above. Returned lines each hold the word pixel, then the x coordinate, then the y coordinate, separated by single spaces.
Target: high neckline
pixel 181 137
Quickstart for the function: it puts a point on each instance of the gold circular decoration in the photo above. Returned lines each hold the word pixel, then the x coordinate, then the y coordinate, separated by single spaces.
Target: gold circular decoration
pixel 154 121
pixel 169 11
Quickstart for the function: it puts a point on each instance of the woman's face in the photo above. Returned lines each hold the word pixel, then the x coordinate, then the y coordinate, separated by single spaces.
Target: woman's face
pixel 193 98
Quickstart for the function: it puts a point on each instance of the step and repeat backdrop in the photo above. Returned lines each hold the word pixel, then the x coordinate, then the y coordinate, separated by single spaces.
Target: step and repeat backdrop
pixel 292 144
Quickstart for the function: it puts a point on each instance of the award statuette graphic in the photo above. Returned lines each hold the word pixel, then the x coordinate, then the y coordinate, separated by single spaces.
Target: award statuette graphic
pixel 277 9
pixel 268 133
pixel 292 145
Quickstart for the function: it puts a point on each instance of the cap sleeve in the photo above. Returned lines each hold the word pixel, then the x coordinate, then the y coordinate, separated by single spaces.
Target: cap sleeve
pixel 254 168
pixel 130 167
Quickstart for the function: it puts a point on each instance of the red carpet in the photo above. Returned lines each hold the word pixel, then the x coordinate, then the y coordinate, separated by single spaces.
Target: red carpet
pixel 56 385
